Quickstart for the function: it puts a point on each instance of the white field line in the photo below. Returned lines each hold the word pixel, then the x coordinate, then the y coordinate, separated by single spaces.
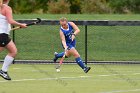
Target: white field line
pixel 20 80
pixel 136 73
pixel 78 77
pixel 122 91
pixel 105 75
pixel 16 68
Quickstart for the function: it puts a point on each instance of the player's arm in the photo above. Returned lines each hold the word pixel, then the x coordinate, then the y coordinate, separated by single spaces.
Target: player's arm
pixel 9 16
pixel 76 30
pixel 63 39
pixel 75 27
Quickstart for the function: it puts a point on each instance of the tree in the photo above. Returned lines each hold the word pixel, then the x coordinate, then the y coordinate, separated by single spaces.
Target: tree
pixel 95 6
pixel 125 6
pixel 75 6
pixel 28 6
pixel 59 7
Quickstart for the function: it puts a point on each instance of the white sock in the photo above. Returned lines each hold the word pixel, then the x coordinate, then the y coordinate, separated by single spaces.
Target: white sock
pixel 7 61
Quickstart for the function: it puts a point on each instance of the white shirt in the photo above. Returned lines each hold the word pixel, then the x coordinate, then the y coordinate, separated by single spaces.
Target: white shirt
pixel 5 27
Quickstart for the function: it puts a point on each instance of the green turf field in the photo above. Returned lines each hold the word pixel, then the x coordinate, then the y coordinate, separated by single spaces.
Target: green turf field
pixel 29 78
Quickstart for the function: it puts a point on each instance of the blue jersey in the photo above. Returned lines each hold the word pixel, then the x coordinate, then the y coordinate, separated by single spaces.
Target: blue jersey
pixel 68 35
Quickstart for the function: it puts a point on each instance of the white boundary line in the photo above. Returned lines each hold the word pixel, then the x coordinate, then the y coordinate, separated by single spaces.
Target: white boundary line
pixel 105 75
pixel 16 68
pixel 122 91
pixel 20 80
pixel 136 73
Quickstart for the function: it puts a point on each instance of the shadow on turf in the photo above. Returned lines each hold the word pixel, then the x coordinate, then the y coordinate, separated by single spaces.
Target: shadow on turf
pixel 58 80
pixel 121 76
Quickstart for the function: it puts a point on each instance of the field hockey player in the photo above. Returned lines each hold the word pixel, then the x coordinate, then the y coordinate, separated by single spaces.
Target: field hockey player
pixel 68 32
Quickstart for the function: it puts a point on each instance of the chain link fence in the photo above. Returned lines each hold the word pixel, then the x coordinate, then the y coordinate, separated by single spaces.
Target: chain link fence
pixel 98 41
pixel 113 43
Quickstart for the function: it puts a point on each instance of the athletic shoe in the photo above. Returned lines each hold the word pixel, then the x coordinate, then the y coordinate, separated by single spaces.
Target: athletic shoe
pixel 4 75
pixel 87 69
pixel 55 58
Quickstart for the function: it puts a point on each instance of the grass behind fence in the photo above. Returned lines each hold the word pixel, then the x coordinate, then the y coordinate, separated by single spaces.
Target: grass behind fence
pixel 113 43
pixel 80 16
pixel 104 42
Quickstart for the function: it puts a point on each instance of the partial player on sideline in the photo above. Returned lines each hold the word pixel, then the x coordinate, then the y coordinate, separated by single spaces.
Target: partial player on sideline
pixel 5 41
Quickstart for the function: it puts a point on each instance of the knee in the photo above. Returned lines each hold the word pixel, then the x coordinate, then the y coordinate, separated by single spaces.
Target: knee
pixel 76 55
pixel 13 53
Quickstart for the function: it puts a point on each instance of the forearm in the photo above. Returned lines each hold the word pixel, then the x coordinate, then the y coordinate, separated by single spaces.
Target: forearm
pixel 76 32
pixel 76 29
pixel 13 22
pixel 64 44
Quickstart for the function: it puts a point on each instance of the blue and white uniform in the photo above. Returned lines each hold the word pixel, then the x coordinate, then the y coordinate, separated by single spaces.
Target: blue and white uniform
pixel 68 36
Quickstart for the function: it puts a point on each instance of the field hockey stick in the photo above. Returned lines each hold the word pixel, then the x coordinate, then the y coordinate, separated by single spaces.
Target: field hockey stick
pixel 33 23
pixel 62 59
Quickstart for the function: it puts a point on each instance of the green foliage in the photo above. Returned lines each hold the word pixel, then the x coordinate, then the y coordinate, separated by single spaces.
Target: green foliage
pixel 95 6
pixel 75 6
pixel 59 7
pixel 30 6
pixel 125 6
pixel 21 6
pixel 41 5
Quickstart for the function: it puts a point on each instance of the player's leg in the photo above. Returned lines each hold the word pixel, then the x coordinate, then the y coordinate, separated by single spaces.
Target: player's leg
pixel 12 51
pixel 59 55
pixel 78 59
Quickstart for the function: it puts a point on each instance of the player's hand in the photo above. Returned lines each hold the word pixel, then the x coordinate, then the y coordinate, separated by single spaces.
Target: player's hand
pixel 73 37
pixel 66 48
pixel 23 25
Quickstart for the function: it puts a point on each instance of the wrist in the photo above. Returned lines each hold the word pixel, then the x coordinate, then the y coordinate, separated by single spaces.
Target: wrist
pixel 73 34
pixel 65 49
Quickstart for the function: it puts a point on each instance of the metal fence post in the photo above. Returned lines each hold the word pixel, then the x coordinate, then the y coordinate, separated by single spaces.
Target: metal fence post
pixel 86 44
pixel 13 38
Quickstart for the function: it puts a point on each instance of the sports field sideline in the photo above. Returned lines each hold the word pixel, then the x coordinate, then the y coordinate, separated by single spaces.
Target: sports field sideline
pixel 37 78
